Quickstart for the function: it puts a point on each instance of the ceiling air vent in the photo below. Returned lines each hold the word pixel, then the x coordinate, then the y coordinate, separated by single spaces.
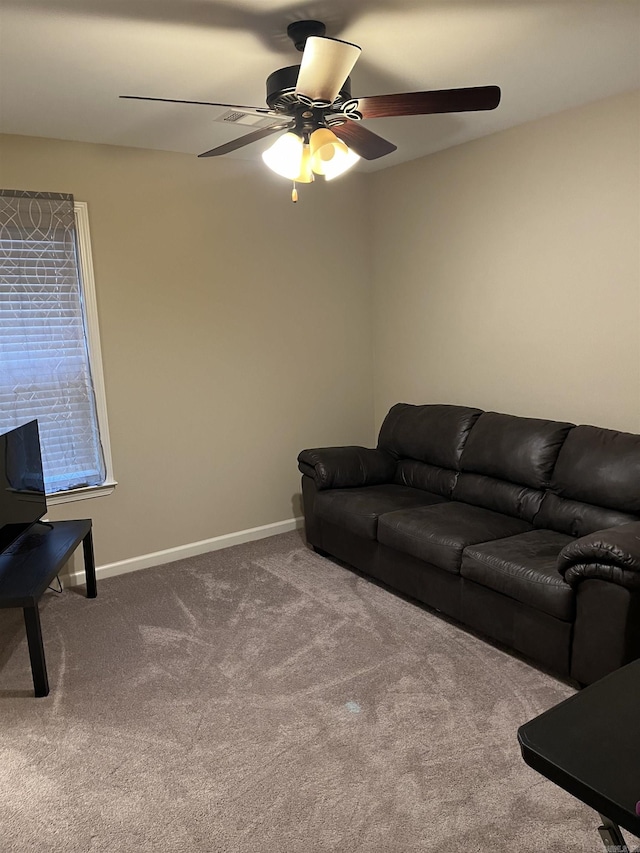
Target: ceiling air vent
pixel 237 117
pixel 231 116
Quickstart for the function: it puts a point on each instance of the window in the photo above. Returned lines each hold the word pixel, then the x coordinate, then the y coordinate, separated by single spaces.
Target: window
pixel 50 364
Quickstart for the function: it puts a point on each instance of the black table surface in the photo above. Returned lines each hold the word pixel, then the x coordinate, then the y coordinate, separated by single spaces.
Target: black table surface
pixel 590 746
pixel 29 566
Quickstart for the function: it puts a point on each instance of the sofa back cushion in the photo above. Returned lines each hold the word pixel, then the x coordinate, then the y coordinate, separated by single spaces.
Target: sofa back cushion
pixel 576 518
pixel 498 495
pixel 600 466
pixel 595 483
pixel 518 450
pixel 507 462
pixel 434 434
pixel 421 475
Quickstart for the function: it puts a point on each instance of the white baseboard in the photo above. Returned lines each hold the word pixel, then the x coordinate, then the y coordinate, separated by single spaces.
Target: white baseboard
pixel 192 549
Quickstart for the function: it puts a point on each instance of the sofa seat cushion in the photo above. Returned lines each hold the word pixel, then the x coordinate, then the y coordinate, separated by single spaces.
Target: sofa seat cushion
pixel 524 567
pixel 439 534
pixel 358 509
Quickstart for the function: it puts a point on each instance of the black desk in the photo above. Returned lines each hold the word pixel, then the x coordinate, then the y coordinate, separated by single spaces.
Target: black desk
pixel 590 746
pixel 27 569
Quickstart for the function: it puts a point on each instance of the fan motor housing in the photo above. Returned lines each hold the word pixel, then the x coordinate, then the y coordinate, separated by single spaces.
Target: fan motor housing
pixel 281 86
pixel 300 31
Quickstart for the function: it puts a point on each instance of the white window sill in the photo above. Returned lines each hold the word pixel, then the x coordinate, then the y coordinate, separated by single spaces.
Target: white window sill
pixel 81 494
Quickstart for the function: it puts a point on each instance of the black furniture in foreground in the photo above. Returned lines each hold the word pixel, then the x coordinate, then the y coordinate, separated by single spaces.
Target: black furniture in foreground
pixel 26 570
pixel 590 746
pixel 526 530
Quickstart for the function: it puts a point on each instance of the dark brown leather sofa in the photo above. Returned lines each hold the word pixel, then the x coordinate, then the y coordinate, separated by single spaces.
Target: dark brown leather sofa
pixel 526 530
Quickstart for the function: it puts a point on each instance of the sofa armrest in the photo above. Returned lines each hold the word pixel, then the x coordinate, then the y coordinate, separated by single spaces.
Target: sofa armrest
pixel 612 555
pixel 343 467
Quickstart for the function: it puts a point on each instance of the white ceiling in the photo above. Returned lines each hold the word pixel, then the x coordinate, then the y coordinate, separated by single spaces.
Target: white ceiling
pixel 63 64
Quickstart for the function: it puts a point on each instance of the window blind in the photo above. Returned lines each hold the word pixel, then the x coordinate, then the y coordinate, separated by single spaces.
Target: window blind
pixel 45 371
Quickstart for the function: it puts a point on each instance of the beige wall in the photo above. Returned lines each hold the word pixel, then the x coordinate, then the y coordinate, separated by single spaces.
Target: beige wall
pixel 507 271
pixel 235 329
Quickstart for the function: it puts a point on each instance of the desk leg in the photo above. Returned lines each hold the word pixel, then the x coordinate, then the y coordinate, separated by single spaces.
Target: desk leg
pixel 89 565
pixel 36 650
pixel 611 836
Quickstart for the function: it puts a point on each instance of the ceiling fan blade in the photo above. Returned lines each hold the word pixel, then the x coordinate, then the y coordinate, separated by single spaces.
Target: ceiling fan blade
pixel 247 139
pixel 261 111
pixel 326 64
pixel 425 103
pixel 363 141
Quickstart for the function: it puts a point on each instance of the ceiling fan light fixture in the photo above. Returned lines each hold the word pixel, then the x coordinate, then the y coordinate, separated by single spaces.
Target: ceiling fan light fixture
pixel 285 156
pixel 330 156
pixel 339 165
pixel 325 148
pixel 305 175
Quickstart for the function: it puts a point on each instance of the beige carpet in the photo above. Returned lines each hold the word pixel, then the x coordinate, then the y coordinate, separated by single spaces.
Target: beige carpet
pixel 265 699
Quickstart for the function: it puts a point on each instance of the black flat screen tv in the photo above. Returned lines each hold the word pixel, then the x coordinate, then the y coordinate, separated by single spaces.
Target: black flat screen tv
pixel 22 496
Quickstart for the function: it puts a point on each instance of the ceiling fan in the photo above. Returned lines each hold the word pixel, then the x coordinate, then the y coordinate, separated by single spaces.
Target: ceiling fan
pixel 312 102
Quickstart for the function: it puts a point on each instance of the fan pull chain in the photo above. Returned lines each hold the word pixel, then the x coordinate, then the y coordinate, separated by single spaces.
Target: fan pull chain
pixel 294 193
